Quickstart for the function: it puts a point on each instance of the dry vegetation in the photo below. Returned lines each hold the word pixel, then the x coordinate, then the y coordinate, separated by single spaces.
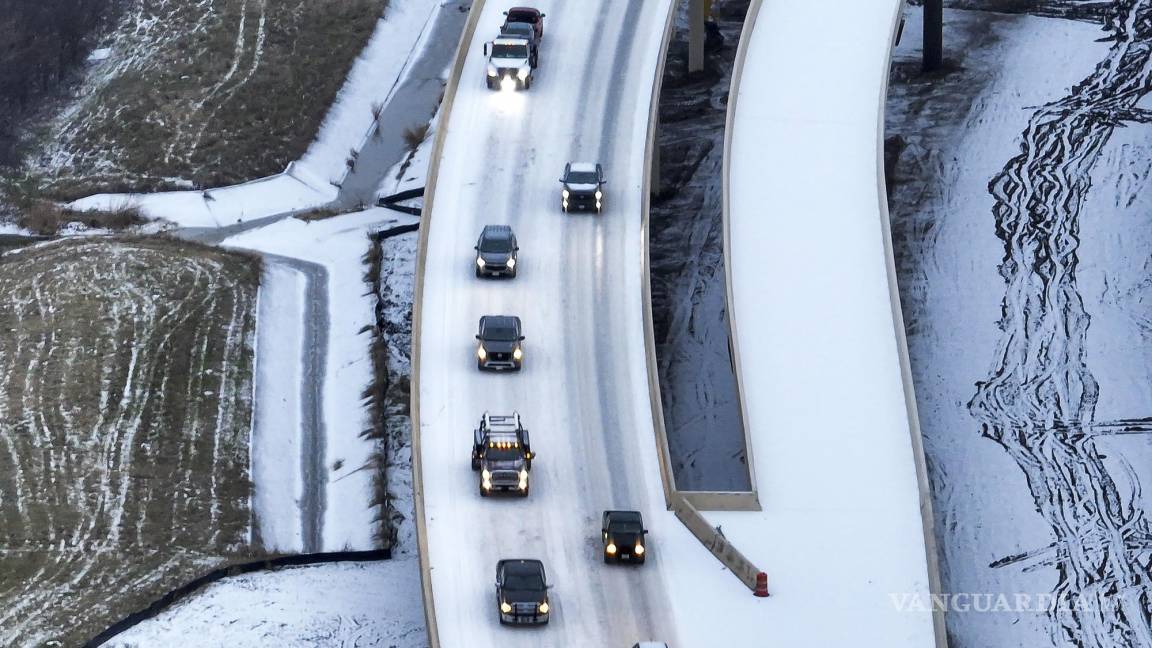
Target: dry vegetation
pixel 203 94
pixel 125 406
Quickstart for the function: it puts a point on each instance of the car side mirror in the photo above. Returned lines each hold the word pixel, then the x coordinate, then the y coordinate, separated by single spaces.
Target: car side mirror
pixel 516 249
pixel 475 247
pixel 521 338
pixel 543 15
pixel 477 336
pixel 505 13
pixel 486 48
pixel 561 179
pixel 645 532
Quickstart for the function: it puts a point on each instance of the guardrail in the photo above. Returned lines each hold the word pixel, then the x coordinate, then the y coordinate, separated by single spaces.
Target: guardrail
pixel 685 505
pixel 475 11
pixel 927 515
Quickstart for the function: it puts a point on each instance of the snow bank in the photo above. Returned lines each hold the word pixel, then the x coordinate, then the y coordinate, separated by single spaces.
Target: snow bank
pixel 276 446
pixel 343 604
pixel 338 244
pixel 841 533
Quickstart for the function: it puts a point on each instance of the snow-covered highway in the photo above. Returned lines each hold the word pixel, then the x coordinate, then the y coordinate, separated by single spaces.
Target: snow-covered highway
pixel 583 389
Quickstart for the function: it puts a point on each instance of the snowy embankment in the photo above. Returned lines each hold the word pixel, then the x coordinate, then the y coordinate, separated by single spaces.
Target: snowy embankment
pixel 311 182
pixel 338 245
pixel 841 531
pixel 346 604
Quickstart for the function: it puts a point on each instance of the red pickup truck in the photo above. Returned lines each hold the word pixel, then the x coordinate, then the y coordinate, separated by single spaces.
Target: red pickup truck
pixel 529 15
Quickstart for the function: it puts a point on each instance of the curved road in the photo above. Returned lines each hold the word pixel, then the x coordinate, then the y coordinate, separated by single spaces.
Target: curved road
pixel 583 390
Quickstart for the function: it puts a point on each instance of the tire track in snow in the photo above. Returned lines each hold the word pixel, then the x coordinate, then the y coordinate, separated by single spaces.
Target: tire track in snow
pixel 1039 400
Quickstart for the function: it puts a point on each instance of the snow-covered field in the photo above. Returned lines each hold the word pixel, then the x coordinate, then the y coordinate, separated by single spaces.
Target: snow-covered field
pixel 1025 257
pixel 126 379
pixel 350 605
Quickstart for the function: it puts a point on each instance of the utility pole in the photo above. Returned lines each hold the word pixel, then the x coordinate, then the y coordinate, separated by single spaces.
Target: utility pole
pixel 697 13
pixel 933 35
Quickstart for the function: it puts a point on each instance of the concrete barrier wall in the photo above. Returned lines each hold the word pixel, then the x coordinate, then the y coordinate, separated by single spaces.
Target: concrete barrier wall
pixel 927 515
pixel 421 253
pixel 716 543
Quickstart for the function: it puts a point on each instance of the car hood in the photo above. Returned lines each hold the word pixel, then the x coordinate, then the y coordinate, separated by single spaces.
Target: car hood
pixel 581 188
pixel 523 596
pixel 624 539
pixel 508 464
pixel 498 346
pixel 495 257
pixel 505 63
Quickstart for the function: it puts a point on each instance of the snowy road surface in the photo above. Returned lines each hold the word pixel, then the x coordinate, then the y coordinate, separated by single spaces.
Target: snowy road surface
pixel 583 390
pixel 840 535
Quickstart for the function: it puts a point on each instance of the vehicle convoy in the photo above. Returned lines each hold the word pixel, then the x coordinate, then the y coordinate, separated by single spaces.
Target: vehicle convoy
pixel 496 252
pixel 511 61
pixel 502 453
pixel 522 592
pixel 583 187
pixel 500 343
pixel 527 16
pixel 623 534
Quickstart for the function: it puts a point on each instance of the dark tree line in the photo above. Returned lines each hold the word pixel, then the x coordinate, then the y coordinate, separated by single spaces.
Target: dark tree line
pixel 41 42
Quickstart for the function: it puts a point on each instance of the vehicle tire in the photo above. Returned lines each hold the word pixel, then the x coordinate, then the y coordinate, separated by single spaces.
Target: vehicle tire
pixel 524 493
pixel 483 493
pixel 480 365
pixel 528 83
pixel 500 617
pixel 488 82
pixel 607 559
pixel 475 464
pixel 479 275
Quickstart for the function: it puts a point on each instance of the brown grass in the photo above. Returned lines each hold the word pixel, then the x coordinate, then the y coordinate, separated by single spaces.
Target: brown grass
pixel 415 135
pixel 46 218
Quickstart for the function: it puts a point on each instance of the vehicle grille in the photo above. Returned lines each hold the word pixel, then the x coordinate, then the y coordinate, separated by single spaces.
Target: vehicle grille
pixel 524 609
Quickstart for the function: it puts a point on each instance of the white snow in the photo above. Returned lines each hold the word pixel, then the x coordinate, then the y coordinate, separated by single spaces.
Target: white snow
pixel 308 183
pixel 339 244
pixel 840 532
pixel 381 67
pixel 99 54
pixel 275 448
pixel 341 604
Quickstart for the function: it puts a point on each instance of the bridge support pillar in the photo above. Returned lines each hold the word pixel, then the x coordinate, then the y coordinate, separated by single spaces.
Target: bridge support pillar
pixel 698 11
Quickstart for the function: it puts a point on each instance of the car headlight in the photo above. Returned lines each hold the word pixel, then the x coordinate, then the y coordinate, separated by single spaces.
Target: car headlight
pixel 599 194
pixel 543 607
pixel 517 353
pixel 511 263
pixel 505 608
pixel 480 262
pixel 564 194
pixel 481 353
pixel 611 548
pixel 523 479
pixel 492 70
pixel 639 549
pixel 522 73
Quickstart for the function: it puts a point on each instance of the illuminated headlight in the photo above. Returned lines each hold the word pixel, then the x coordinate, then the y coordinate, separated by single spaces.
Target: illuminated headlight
pixel 522 73
pixel 523 479
pixel 480 262
pixel 481 353
pixel 639 549
pixel 507 84
pixel 611 548
pixel 511 263
pixel 599 194
pixel 486 475
pixel 505 608
pixel 492 71
pixel 517 353
pixel 543 608
pixel 564 194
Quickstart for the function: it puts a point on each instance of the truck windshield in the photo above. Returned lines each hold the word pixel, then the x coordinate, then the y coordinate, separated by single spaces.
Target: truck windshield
pixel 526 580
pixel 502 332
pixel 505 51
pixel 582 177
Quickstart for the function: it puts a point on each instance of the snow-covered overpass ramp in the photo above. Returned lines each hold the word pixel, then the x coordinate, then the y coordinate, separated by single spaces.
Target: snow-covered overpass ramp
pixel 819 342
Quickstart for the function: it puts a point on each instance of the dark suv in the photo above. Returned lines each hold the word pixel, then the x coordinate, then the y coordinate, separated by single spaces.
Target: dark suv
pixel 496 252
pixel 522 592
pixel 623 534
pixel 529 15
pixel 583 187
pixel 500 345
